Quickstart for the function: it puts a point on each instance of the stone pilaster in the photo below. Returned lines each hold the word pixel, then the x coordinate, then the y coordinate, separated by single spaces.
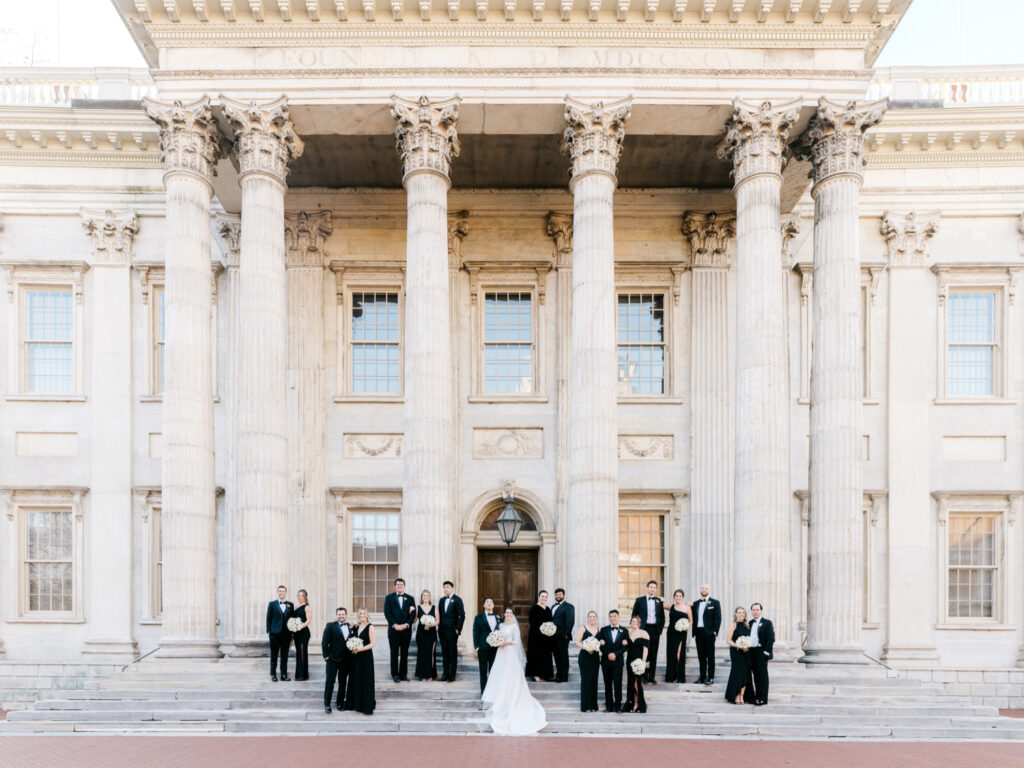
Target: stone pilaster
pixel 427 141
pixel 756 144
pixel 191 145
pixel 265 142
pixel 834 603
pixel 593 141
pixel 458 228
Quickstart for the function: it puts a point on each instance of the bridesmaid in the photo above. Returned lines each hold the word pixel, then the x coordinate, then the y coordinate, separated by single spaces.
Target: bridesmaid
pixel 739 667
pixel 304 612
pixel 589 663
pixel 675 659
pixel 361 696
pixel 639 645
pixel 539 664
pixel 426 639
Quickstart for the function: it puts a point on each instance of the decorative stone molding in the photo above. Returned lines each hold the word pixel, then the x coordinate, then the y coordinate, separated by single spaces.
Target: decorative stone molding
pixel 709 235
pixel 229 228
pixel 835 137
pixel 112 233
pixel 189 139
pixel 646 447
pixel 426 135
pixel 373 446
pixel 593 136
pixel 790 229
pixel 304 235
pixel 906 236
pixel 756 136
pixel 559 229
pixel 458 228
pixel 508 443
pixel 265 138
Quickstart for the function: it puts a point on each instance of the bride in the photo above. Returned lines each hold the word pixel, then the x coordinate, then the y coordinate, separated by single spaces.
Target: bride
pixel 514 712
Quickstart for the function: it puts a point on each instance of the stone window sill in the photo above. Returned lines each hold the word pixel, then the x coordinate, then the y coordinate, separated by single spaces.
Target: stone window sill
pixel 151 399
pixel 46 398
pixel 47 620
pixel 865 401
pixel 151 622
pixel 996 627
pixel 508 398
pixel 974 401
pixel 394 399
pixel 650 400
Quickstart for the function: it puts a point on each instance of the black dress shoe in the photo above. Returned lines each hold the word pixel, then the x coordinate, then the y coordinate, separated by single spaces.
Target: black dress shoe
pixel 327 708
pixel 652 682
pixel 273 678
pixel 285 678
pixel 444 678
pixel 709 681
pixel 396 678
pixel 405 679
pixel 700 681
pixel 760 703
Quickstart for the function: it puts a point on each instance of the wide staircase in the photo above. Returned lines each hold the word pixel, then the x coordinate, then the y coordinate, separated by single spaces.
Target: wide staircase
pixel 236 697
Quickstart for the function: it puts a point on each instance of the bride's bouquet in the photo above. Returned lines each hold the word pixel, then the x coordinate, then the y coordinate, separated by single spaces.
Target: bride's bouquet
pixel 548 629
pixel 427 621
pixel 743 643
pixel 591 645
pixel 294 624
pixel 354 644
pixel 682 625
pixel 639 666
pixel 495 639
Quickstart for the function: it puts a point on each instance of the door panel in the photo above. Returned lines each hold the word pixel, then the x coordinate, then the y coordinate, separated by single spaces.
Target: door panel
pixel 509 576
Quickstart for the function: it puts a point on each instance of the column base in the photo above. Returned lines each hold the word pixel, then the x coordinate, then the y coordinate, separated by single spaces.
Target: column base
pixel 112 651
pixel 188 649
pixel 245 649
pixel 784 652
pixel 1020 655
pixel 908 655
pixel 833 655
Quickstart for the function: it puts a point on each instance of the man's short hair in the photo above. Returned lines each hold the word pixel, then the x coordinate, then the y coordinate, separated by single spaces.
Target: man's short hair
pixel 613 611
pixel 339 608
pixel 757 604
pixel 282 586
pixel 447 584
pixel 652 581
pixel 559 590
pixel 399 579
pixel 488 598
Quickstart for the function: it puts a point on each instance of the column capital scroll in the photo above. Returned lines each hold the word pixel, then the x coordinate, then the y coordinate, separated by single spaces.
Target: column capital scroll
pixel 559 229
pixel 304 236
pixel 593 136
pixel 709 235
pixel 189 139
pixel 835 137
pixel 426 135
pixel 756 137
pixel 265 138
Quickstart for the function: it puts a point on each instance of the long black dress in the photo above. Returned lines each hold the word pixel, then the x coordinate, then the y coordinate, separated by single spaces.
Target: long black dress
pixel 361 696
pixel 426 646
pixel 590 664
pixel 739 669
pixel 301 639
pixel 675 669
pixel 539 648
pixel 635 683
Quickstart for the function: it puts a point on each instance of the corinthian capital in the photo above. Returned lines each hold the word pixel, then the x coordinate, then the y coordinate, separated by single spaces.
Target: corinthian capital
pixel 458 228
pixel 560 230
pixel 112 233
pixel 304 237
pixel 189 139
pixel 906 236
pixel 265 139
pixel 709 235
pixel 425 134
pixel 593 136
pixel 835 137
pixel 755 139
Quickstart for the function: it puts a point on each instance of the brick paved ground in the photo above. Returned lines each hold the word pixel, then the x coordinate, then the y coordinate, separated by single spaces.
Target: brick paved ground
pixel 1012 712
pixel 472 751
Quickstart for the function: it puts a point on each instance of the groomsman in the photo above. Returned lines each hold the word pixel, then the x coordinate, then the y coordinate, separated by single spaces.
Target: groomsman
pixel 614 646
pixel 707 619
pixel 399 611
pixel 278 613
pixel 762 644
pixel 453 616
pixel 338 658
pixel 651 610
pixel 483 625
pixel 563 615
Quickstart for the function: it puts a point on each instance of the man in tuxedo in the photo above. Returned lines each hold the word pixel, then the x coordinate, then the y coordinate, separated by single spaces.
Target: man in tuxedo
pixel 762 645
pixel 707 619
pixel 278 613
pixel 563 615
pixel 651 610
pixel 614 646
pixel 399 611
pixel 453 616
pixel 337 656
pixel 483 625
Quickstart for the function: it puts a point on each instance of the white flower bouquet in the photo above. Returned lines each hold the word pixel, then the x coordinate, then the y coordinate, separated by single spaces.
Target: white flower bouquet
pixel 639 666
pixel 354 644
pixel 294 624
pixel 591 645
pixel 548 629
pixel 743 643
pixel 495 639
pixel 428 621
pixel 682 625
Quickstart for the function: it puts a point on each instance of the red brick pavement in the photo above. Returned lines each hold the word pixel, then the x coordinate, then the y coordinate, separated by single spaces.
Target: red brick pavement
pixel 472 751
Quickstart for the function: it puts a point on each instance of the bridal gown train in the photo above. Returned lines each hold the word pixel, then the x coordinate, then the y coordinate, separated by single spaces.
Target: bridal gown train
pixel 514 711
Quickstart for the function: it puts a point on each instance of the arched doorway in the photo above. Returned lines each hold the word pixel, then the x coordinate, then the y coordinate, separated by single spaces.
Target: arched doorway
pixel 508 575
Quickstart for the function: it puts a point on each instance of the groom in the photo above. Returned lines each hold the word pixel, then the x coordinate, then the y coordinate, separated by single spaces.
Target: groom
pixel 483 625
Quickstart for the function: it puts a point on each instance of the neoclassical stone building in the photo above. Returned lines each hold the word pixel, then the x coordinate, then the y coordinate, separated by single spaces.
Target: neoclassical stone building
pixel 707 296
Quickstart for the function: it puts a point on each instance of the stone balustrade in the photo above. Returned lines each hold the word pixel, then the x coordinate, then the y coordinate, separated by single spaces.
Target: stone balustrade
pixel 58 87
pixel 952 86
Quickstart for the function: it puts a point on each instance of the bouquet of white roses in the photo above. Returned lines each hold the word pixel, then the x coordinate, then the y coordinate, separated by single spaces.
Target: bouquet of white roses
pixel 743 643
pixel 427 621
pixel 639 666
pixel 495 639
pixel 591 645
pixel 354 644
pixel 683 624
pixel 294 624
pixel 548 629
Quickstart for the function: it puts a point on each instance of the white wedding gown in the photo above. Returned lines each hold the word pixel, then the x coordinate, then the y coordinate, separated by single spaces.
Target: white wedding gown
pixel 514 712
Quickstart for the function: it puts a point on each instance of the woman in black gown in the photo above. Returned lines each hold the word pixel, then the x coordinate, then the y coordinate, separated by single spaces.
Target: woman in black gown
pixel 589 665
pixel 426 639
pixel 304 613
pixel 361 696
pixel 639 646
pixel 675 650
pixel 739 669
pixel 539 664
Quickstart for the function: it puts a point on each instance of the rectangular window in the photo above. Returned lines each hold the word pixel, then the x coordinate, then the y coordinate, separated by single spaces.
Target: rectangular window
pixel 48 560
pixel 508 342
pixel 375 338
pixel 157 589
pixel 641 555
pixel 374 558
pixel 49 334
pixel 972 566
pixel 641 343
pixel 158 339
pixel 971 339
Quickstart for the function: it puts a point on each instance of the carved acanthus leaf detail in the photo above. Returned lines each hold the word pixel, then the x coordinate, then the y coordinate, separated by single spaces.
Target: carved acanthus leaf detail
pixel 426 135
pixel 189 139
pixel 709 235
pixel 755 140
pixel 593 136
pixel 265 138
pixel 559 228
pixel 835 138
pixel 458 228
pixel 304 235
pixel 112 232
pixel 790 229
pixel 906 236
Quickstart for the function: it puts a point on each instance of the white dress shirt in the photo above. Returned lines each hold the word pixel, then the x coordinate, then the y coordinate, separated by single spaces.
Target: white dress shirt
pixel 492 622
pixel 281 605
pixel 652 608
pixel 701 604
pixel 754 640
pixel 344 630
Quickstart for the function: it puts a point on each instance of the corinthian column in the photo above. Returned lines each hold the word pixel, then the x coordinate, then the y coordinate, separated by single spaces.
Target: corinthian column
pixel 593 140
pixel 834 602
pixel 265 142
pixel 427 141
pixel 190 145
pixel 756 144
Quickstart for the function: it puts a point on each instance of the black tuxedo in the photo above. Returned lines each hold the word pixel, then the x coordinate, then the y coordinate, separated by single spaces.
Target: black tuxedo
pixel 759 656
pixel 612 670
pixel 563 615
pixel 484 653
pixel 280 637
pixel 338 659
pixel 399 610
pixel 654 630
pixel 704 637
pixel 452 617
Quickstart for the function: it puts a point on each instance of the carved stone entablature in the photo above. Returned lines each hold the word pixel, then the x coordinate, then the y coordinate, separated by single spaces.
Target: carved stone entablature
pixel 709 235
pixel 265 138
pixel 835 137
pixel 304 235
pixel 426 135
pixel 593 136
pixel 508 443
pixel 368 446
pixel 112 233
pixel 790 229
pixel 755 140
pixel 646 447
pixel 229 228
pixel 189 139
pixel 906 236
pixel 559 228
pixel 458 228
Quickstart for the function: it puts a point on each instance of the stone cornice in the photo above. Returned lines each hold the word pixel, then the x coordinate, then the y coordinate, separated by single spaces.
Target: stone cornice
pixel 265 139
pixel 835 136
pixel 112 233
pixel 426 134
pixel 559 229
pixel 305 234
pixel 756 137
pixel 593 136
pixel 906 236
pixel 708 235
pixel 189 139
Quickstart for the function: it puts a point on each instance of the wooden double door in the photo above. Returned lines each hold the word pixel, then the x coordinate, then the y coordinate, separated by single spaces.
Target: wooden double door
pixel 509 577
